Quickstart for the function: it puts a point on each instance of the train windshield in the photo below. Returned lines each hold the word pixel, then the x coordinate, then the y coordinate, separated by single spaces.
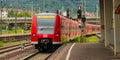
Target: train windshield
pixel 45 25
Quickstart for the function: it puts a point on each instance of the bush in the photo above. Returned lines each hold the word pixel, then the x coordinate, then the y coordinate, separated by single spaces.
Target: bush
pixel 63 39
pixel 82 39
pixel 92 39
pixel 77 39
pixel 1 44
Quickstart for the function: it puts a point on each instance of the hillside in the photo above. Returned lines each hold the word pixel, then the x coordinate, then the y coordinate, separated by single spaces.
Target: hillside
pixel 50 5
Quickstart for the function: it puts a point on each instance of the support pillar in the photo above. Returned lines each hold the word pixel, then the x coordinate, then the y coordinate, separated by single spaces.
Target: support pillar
pixel 117 28
pixel 102 20
pixel 108 15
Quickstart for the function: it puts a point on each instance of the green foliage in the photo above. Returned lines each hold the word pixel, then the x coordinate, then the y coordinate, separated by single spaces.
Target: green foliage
pixel 1 44
pixel 11 26
pixel 11 13
pixel 28 14
pixel 23 14
pixel 11 29
pixel 92 39
pixel 77 39
pixel 83 39
pixel 80 39
pixel 3 26
pixel 63 39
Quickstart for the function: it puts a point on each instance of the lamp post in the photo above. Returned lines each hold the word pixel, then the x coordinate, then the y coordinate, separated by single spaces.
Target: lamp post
pixel 83 7
pixel 1 17
pixel 32 7
pixel 25 19
pixel 39 9
pixel 16 11
pixel 1 22
pixel 78 2
pixel 16 21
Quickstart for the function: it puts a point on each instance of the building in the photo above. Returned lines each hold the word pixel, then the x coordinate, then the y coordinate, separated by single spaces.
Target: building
pixel 4 13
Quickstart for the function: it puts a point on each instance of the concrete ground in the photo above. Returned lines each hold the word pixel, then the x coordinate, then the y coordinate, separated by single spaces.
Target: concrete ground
pixel 84 51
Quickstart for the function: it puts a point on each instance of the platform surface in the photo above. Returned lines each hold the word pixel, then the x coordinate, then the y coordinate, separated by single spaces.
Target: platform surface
pixel 85 51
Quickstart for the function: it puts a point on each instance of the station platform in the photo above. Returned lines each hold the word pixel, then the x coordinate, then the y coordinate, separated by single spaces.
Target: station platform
pixel 83 51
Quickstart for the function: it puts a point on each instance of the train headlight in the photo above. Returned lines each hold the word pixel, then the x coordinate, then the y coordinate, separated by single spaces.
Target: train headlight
pixel 56 35
pixel 34 35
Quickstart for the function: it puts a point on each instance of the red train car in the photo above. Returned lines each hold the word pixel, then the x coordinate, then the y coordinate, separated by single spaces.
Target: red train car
pixel 49 29
pixel 92 29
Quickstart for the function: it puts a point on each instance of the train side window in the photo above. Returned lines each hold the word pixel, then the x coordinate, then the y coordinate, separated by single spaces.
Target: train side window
pixel 90 28
pixel 62 26
pixel 98 29
pixel 93 28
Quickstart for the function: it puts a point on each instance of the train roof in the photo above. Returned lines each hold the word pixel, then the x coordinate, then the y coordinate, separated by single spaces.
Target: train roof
pixel 46 13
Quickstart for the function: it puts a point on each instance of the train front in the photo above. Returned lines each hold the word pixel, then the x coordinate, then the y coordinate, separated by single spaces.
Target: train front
pixel 43 30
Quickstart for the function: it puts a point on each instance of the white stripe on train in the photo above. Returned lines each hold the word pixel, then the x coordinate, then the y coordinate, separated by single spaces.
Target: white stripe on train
pixel 53 43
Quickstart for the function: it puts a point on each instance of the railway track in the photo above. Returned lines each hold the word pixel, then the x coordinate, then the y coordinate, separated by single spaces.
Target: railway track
pixel 14 47
pixel 12 51
pixel 43 55
pixel 38 55
pixel 14 37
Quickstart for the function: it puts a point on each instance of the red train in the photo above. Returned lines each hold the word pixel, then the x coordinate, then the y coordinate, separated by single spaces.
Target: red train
pixel 92 29
pixel 49 29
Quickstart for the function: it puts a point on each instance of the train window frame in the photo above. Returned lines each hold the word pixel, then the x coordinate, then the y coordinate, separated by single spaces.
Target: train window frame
pixel 43 31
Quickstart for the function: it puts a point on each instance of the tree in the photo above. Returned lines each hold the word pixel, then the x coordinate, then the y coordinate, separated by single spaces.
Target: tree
pixel 11 13
pixel 27 14
pixel 23 14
